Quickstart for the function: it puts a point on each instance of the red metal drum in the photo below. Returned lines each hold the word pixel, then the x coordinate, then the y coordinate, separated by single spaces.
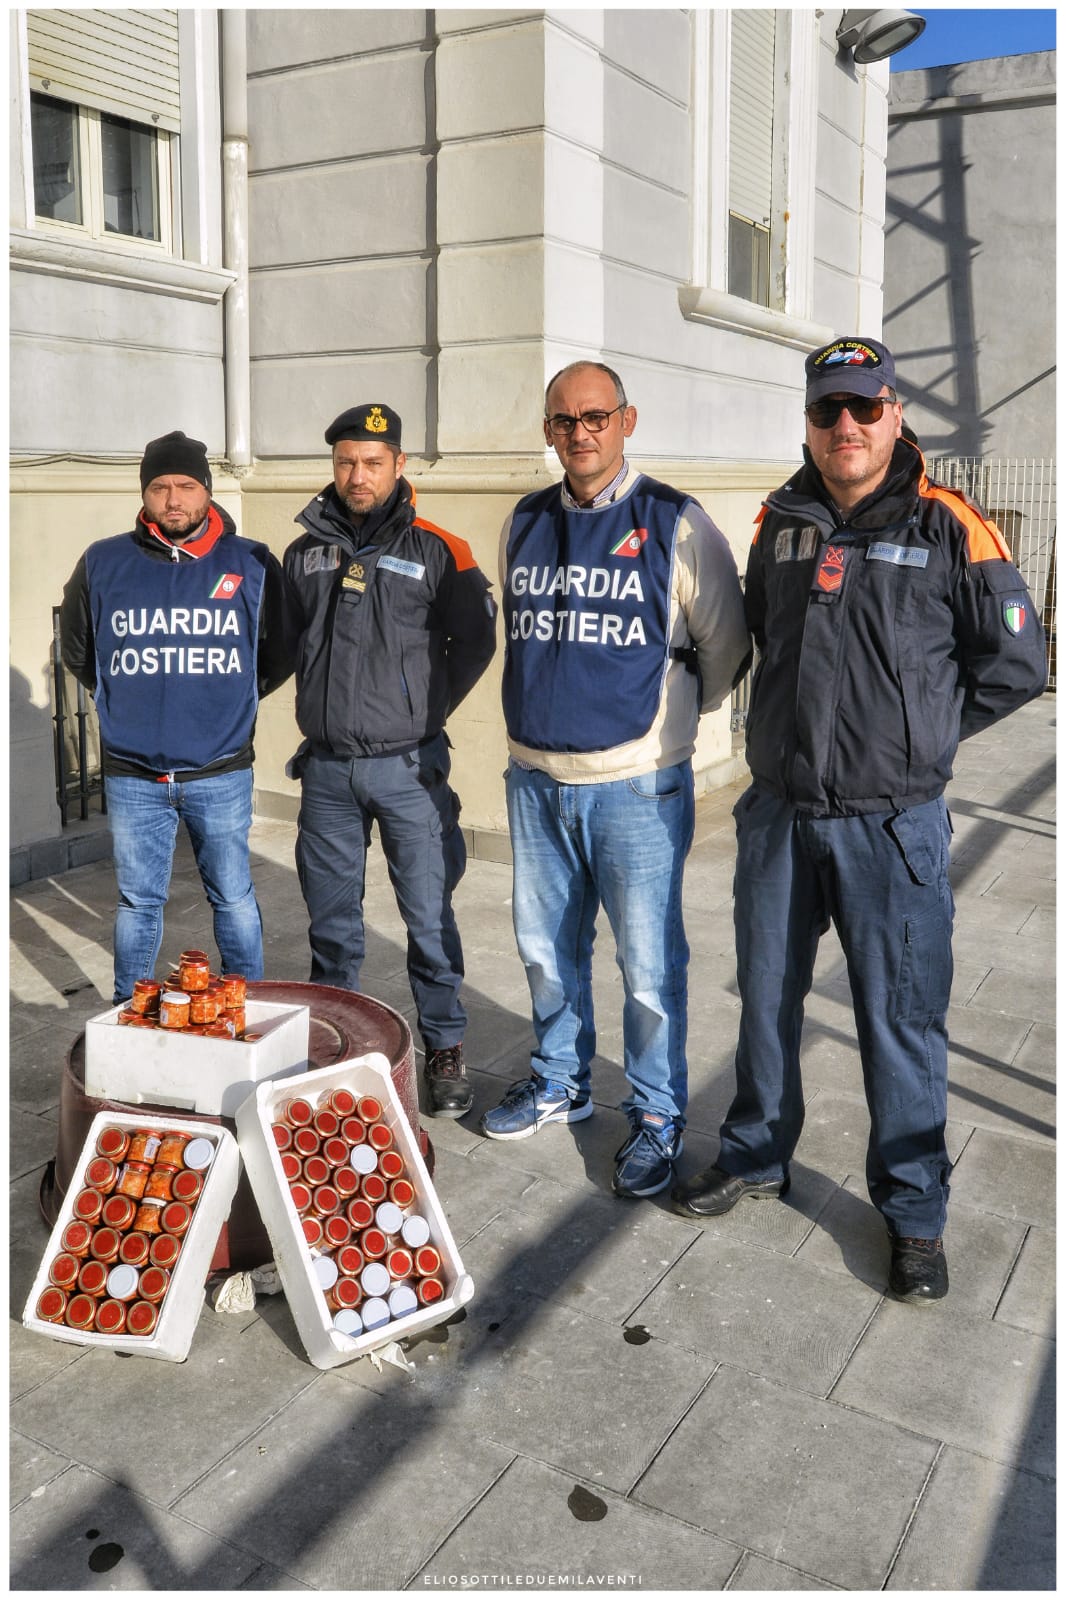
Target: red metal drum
pixel 342 1024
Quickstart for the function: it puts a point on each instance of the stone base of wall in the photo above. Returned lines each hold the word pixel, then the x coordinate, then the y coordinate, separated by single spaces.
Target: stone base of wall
pixel 79 845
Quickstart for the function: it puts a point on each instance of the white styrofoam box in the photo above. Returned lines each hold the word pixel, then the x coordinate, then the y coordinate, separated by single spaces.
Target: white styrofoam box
pixel 364 1075
pixel 159 1066
pixel 185 1295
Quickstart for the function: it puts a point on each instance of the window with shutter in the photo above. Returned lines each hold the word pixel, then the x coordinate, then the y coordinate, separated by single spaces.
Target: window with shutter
pixel 751 152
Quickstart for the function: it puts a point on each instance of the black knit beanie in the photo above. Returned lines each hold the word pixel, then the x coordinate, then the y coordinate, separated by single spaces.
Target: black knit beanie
pixel 175 453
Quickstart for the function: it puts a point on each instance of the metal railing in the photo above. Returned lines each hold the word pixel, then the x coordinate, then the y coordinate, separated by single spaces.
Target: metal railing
pixel 1018 493
pixel 76 740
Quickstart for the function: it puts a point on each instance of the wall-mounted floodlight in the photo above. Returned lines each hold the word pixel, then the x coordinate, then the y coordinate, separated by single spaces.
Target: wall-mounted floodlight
pixel 875 35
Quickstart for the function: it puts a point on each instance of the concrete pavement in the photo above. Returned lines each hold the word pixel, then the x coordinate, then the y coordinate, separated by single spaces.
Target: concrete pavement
pixel 631 1399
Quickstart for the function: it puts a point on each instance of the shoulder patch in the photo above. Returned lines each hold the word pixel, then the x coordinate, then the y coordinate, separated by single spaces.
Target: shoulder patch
pixel 461 552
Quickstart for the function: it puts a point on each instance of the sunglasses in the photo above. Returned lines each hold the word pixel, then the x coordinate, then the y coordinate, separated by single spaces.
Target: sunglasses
pixel 825 413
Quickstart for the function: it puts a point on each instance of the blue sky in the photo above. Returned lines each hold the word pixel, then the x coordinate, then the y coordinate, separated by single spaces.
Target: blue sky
pixel 955 35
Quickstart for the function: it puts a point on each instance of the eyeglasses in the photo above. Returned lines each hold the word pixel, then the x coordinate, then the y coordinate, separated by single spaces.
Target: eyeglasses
pixel 591 421
pixel 825 413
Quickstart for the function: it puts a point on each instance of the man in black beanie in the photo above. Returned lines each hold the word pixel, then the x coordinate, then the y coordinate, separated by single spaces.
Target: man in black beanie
pixel 391 625
pixel 175 628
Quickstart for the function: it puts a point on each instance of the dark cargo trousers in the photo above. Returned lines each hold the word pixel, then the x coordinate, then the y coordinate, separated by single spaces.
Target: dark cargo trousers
pixel 882 879
pixel 417 814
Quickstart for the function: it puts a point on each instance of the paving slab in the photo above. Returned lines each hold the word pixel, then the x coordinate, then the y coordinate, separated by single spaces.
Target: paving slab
pixel 1002 1529
pixel 31 1466
pixel 344 1491
pixel 570 1390
pixel 756 1575
pixel 31 1140
pixel 1029 1299
pixel 236 1377
pixel 1009 1177
pixel 545 1529
pixel 1017 992
pixel 787 1494
pixel 967 1381
pixel 36 1049
pixel 84 1532
pixel 761 1312
pixel 474 1193
pixel 601 1256
pixel 779 1225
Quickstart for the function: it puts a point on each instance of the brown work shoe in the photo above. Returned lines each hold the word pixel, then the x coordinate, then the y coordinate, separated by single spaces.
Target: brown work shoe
pixel 450 1094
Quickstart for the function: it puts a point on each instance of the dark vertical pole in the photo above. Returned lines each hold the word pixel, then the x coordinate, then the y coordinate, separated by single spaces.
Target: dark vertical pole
pixel 59 719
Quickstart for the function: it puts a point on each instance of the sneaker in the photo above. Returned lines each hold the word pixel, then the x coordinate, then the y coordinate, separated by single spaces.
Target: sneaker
pixel 645 1163
pixel 447 1085
pixel 528 1105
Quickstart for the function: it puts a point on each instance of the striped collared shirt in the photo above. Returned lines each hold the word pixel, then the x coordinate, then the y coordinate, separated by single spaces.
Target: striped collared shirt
pixel 604 496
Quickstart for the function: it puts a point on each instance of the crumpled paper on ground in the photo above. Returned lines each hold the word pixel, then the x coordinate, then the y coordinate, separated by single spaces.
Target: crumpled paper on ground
pixel 391 1353
pixel 238 1293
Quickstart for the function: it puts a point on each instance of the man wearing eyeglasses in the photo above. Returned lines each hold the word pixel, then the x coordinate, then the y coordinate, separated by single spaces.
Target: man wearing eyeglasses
pixel 623 621
pixel 890 622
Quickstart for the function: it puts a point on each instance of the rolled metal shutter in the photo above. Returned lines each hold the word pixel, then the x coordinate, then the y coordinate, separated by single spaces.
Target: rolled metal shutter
pixel 122 62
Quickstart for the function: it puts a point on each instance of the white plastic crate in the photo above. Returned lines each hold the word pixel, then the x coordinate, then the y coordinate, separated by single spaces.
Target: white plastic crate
pixel 364 1075
pixel 181 1307
pixel 160 1066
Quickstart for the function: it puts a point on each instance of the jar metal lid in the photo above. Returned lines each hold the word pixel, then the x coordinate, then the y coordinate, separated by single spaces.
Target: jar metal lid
pixel 388 1217
pixel 325 1270
pixel 349 1322
pixel 375 1314
pixel 374 1278
pixel 402 1300
pixel 122 1282
pixel 199 1153
pixel 415 1231
pixel 364 1158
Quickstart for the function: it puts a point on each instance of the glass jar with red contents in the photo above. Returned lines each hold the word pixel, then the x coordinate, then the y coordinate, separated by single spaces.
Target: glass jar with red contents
pixel 133 1179
pixel 290 1165
pixel 148 1218
pixel 335 1151
pixel 141 1318
pixel 305 1142
pixel 203 1007
pixel 159 1182
pixel 80 1312
pixel 301 1195
pixel 402 1193
pixel 400 1263
pixel 104 1244
pixel 316 1169
pixel 63 1270
pixel 429 1290
pixel 235 988
pixel 174 1009
pixel 51 1305
pixel 350 1260
pixel 92 1279
pixel 145 997
pixel 282 1135
pixel 326 1123
pixel 171 1152
pixel 353 1131
pixel 390 1164
pixel 346 1182
pixel 297 1112
pixel 110 1317
pixel 342 1101
pixel 176 1217
pixel 360 1212
pixel 199 1154
pixel 164 1251
pixel 144 1145
pixel 380 1135
pixel 325 1200
pixel 187 1186
pixel 374 1243
pixel 337 1230
pixel 113 1143
pixel 102 1174
pixel 88 1205
pixel 345 1294
pixel 427 1261
pixel 312 1231
pixel 369 1108
pixel 75 1240
pixel 155 1281
pixel 134 1249
pixel 128 1018
pixel 119 1211
pixel 194 971
pixel 374 1188
pixel 237 1018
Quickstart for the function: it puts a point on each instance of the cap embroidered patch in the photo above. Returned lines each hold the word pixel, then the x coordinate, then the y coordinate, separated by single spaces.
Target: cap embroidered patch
pixel 846 353
pixel 226 587
pixel 375 422
pixel 631 544
pixel 1014 615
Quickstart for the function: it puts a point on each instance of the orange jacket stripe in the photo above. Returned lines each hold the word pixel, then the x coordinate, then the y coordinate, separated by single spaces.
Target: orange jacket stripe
pixel 461 551
pixel 984 540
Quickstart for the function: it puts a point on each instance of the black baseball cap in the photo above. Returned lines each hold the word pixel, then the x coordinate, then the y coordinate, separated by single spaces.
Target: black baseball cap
pixel 849 366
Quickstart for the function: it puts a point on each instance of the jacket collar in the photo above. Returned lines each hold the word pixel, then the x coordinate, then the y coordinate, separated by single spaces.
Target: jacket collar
pixel 216 525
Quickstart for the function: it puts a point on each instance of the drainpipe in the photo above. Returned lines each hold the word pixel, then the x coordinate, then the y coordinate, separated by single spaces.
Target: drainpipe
pixel 237 355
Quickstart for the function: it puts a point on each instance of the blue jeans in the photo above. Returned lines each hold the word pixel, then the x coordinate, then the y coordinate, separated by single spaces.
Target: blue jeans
pixel 417 814
pixel 143 816
pixel 621 845
pixel 882 879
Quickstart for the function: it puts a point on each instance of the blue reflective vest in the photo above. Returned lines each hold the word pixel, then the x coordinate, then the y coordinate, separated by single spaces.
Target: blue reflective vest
pixel 176 645
pixel 587 617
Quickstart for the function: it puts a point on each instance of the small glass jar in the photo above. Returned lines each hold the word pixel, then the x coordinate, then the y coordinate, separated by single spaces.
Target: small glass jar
pixel 88 1205
pixel 146 996
pixel 374 1188
pixel 353 1131
pixel 128 1018
pixel 316 1170
pixel 402 1193
pixel 282 1135
pixel 80 1312
pixel 176 1218
pixel 103 1245
pixel 164 1251
pixel 102 1174
pixel 144 1145
pixel 75 1240
pixel 305 1142
pixel 380 1135
pixel 199 1154
pixel 122 1282
pixel 113 1143
pixel 400 1263
pixel 348 1322
pixel 388 1217
pixel 290 1165
pixel 312 1231
pixel 335 1150
pixel 325 1200
pixel 174 1009
pixel 171 1152
pixel 369 1108
pixel 187 1186
pixel 427 1261
pixel 344 1294
pixel 374 1244
pixel 194 973
pixel 337 1230
pixel 374 1278
pixel 235 990
pixel 134 1249
pixel 148 1218
pixel 429 1290
pixel 141 1318
pixel 415 1231
pixel 375 1314
pixel 346 1182
pixel 363 1159
pixel 402 1301
pixel 119 1211
pixel 326 1123
pixel 360 1212
pixel 350 1260
pixel 110 1318
pixel 235 1014
pixel 133 1179
pixel 301 1195
pixel 92 1279
pixel 159 1182
pixel 325 1270
pixel 203 1007
pixel 63 1270
pixel 155 1281
pixel 52 1305
pixel 390 1164
pixel 342 1101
